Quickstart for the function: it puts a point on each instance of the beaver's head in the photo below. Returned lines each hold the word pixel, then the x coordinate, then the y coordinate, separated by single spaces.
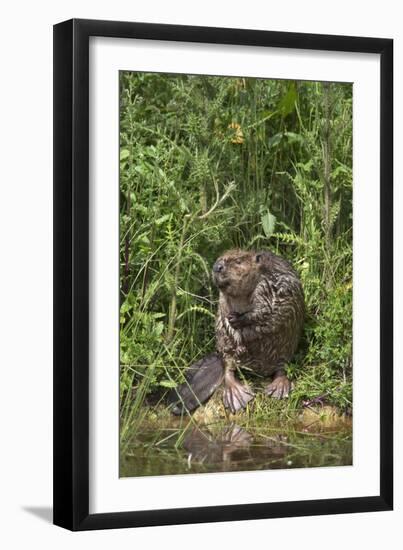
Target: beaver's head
pixel 237 272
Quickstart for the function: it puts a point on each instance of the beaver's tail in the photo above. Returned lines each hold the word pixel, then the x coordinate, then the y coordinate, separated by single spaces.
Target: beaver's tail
pixel 201 381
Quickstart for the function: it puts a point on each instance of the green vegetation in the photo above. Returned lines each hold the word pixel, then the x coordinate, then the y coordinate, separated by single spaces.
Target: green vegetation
pixel 211 163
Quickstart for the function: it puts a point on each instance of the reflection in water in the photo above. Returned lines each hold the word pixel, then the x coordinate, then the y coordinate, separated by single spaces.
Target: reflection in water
pixel 231 448
pixel 218 448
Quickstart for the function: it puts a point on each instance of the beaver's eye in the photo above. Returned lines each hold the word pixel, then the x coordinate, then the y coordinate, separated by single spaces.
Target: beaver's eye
pixel 238 261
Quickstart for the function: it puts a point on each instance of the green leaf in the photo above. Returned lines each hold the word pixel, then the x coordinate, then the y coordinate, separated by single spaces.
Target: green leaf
pixel 274 140
pixel 287 102
pixel 168 384
pixel 306 167
pixel 159 328
pixel 163 219
pixel 124 154
pixel 268 223
pixel 292 137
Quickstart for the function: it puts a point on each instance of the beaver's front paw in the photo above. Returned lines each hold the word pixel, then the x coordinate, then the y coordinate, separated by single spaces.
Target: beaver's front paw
pixel 237 320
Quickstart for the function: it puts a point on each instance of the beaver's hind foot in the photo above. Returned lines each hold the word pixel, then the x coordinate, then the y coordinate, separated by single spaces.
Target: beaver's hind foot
pixel 280 386
pixel 236 395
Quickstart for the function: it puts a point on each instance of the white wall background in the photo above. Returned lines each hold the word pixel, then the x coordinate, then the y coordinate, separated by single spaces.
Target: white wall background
pixel 25 289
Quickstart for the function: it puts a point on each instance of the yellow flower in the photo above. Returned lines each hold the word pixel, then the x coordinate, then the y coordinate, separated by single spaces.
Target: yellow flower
pixel 237 136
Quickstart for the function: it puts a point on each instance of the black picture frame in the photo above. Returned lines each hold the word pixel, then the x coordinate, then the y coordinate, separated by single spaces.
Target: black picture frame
pixel 71 274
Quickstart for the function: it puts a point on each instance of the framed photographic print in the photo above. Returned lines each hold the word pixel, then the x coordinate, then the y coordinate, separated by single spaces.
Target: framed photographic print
pixel 222 274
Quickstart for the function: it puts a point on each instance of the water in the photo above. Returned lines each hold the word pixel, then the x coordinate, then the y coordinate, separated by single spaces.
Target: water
pixel 229 448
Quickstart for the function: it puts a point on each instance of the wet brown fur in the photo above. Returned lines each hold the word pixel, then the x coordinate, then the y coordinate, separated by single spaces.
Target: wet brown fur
pixel 260 312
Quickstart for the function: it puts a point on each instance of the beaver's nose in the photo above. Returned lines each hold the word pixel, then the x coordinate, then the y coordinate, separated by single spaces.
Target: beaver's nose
pixel 218 266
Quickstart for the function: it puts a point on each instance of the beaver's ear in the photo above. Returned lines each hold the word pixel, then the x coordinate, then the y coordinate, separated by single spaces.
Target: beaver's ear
pixel 262 257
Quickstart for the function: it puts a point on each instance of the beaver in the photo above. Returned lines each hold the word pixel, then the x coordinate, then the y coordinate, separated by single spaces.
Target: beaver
pixel 258 325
